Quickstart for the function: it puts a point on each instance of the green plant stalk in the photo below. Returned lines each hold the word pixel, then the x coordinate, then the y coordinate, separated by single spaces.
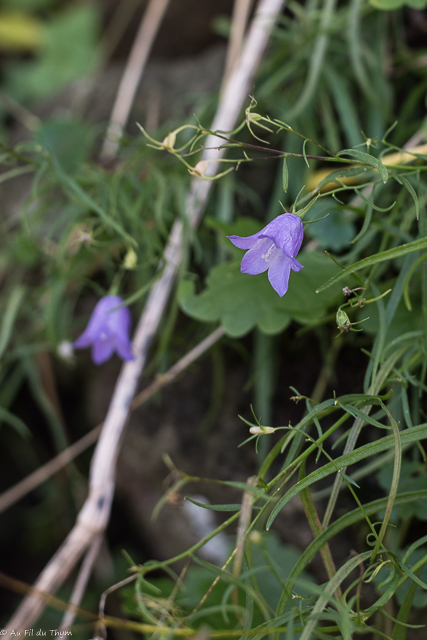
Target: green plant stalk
pixel 316 62
pixel 371 449
pixel 346 521
pixel 415 266
pixel 394 484
pixel 423 233
pixel 288 470
pixel 9 316
pixel 153 566
pixel 355 48
pixel 264 383
pixel 316 529
pixel 332 586
pixel 355 430
pixel 400 630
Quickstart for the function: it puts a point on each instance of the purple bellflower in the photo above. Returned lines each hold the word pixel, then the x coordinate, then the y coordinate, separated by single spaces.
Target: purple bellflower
pixel 107 331
pixel 273 248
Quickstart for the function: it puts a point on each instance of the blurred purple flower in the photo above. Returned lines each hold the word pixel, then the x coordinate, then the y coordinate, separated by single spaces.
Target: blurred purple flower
pixel 107 331
pixel 273 248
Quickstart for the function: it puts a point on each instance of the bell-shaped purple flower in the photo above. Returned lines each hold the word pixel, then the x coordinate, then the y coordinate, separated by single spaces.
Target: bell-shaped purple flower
pixel 273 248
pixel 107 331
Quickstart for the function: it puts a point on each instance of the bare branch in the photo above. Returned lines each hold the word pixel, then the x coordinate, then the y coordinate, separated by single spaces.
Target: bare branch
pixel 132 75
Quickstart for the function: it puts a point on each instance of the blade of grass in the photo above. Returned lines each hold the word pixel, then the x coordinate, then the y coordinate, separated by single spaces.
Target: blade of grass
pixel 389 254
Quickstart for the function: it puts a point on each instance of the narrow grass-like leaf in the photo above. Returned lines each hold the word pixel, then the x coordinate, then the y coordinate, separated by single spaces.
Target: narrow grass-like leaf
pixel 365 225
pixel 389 254
pixel 14 173
pixel 403 180
pixel 15 422
pixel 408 572
pixel 357 413
pixel 370 203
pixel 316 528
pixel 346 521
pixel 366 158
pixel 400 628
pixel 233 581
pixel 73 186
pixel 408 279
pixel 409 436
pixel 216 507
pixel 326 597
pixel 9 316
pixel 345 106
pixel 394 483
pixel 285 175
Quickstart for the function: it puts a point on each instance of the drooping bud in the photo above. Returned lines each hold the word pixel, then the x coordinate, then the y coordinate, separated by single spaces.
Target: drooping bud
pixel 343 321
pixel 130 260
pixel 260 431
pixel 169 142
pixel 251 116
pixel 200 168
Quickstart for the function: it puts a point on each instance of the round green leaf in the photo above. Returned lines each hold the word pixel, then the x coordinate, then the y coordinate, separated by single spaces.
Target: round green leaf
pixel 240 301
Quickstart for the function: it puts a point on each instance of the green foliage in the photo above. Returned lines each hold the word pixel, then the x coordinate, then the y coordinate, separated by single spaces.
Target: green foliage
pixel 68 140
pixel 268 565
pixel 334 226
pixel 389 5
pixel 321 142
pixel 240 302
pixel 68 52
pixel 413 477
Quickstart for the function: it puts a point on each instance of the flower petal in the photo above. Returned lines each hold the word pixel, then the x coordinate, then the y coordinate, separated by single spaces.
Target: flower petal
pixel 98 321
pixel 119 322
pixel 124 350
pixel 287 232
pixel 102 350
pixel 258 259
pixel 85 340
pixel 245 242
pixel 279 272
pixel 107 331
pixel 295 265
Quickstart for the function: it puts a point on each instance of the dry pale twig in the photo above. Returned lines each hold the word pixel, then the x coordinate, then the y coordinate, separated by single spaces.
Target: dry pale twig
pixel 81 583
pixel 132 75
pixel 94 515
pixel 239 21
pixel 242 530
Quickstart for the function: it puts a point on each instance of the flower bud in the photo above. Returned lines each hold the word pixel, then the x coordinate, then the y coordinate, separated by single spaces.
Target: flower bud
pixel 130 260
pixel 343 321
pixel 169 142
pixel 260 431
pixel 200 168
pixel 255 536
pixel 65 350
pixel 252 117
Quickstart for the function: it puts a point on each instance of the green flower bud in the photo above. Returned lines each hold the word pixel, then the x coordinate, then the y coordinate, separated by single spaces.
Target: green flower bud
pixel 130 260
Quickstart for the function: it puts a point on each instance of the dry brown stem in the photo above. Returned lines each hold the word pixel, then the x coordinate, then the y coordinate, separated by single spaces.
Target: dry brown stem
pixel 132 75
pixel 94 515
